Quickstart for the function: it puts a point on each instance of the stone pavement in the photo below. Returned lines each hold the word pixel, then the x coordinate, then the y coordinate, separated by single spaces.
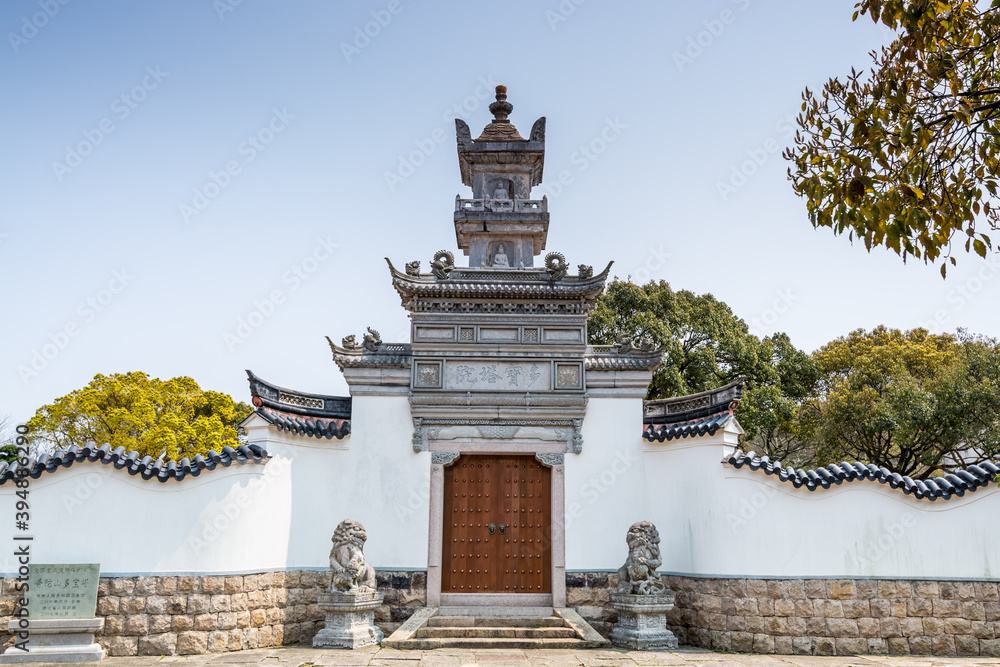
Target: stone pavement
pixel 300 656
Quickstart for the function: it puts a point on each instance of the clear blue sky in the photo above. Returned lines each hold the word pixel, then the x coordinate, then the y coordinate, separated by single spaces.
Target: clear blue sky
pixel 116 114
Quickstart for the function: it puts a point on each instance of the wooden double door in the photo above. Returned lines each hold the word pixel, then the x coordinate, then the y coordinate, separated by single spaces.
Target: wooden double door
pixel 497 525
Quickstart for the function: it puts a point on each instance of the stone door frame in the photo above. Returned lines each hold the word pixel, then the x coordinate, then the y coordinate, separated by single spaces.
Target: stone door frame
pixel 442 459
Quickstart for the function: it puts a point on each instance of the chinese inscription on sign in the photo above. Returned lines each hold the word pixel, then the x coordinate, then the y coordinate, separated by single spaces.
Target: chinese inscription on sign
pixel 498 376
pixel 63 591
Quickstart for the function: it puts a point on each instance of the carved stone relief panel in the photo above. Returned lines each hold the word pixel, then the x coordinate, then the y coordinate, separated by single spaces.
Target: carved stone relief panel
pixel 427 374
pixel 523 431
pixel 444 458
pixel 549 459
pixel 569 376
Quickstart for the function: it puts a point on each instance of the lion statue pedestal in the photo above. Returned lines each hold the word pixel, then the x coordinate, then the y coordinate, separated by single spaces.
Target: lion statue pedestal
pixel 350 620
pixel 352 600
pixel 641 600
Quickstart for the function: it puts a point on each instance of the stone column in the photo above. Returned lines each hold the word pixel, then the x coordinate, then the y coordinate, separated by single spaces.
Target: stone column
pixel 435 534
pixel 558 536
pixel 557 551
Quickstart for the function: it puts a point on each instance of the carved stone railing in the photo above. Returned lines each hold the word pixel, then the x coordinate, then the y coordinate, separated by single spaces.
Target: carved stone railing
pixel 515 205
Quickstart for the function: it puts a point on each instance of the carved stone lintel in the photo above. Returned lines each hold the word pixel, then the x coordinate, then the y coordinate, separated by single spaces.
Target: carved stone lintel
pixel 498 432
pixel 444 458
pixel 548 459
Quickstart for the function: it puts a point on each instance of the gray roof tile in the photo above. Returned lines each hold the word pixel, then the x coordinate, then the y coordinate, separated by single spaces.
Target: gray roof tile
pixel 145 467
pixel 952 484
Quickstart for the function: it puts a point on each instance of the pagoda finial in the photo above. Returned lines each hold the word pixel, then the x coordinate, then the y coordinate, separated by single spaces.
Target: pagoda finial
pixel 501 108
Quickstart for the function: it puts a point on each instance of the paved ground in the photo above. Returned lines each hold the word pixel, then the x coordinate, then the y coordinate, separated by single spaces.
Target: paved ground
pixel 295 656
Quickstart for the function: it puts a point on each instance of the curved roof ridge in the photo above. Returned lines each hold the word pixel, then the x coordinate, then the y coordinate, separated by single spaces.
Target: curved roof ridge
pixel 678 409
pixel 134 463
pixel 951 484
pixel 268 395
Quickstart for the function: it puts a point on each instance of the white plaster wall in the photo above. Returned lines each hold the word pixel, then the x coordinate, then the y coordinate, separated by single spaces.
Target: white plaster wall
pixel 604 484
pixel 245 518
pixel 374 477
pixel 713 519
pixel 717 520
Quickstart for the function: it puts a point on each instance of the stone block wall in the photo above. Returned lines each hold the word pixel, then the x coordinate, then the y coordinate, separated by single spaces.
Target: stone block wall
pixel 190 614
pixel 816 616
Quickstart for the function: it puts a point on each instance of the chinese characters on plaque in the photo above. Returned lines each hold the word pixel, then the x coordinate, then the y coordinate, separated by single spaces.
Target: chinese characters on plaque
pixel 63 591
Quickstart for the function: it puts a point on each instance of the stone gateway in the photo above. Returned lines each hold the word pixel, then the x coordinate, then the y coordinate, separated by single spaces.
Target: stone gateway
pixel 490 464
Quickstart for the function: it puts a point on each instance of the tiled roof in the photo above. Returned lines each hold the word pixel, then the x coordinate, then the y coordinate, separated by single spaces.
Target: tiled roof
pixel 282 400
pixel 475 284
pixel 691 429
pixel 388 355
pixel 693 406
pixel 610 358
pixel 136 464
pixel 952 484
pixel 496 131
pixel 308 426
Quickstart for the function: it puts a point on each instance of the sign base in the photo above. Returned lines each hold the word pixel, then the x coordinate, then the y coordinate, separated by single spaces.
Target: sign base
pixel 56 640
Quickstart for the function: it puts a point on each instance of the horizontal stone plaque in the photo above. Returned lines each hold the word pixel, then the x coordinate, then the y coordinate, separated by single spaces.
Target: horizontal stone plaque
pixel 498 334
pixel 435 334
pixel 62 591
pixel 563 335
pixel 523 376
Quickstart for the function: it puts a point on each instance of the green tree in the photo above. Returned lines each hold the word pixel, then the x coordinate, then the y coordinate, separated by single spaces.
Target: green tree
pixel 8 448
pixel 913 402
pixel 907 156
pixel 707 346
pixel 173 418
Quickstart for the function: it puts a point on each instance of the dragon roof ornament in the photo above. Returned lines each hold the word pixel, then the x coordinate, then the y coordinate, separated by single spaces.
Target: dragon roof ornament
pixel 372 353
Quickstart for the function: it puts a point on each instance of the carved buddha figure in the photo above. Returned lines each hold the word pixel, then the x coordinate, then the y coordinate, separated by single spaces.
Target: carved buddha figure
pixel 500 259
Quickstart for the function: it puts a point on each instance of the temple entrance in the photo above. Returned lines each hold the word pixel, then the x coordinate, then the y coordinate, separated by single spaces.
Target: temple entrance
pixel 497 525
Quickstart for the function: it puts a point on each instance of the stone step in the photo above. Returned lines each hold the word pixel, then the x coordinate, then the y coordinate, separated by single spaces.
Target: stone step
pixel 426 644
pixel 494 611
pixel 496 621
pixel 560 628
pixel 495 633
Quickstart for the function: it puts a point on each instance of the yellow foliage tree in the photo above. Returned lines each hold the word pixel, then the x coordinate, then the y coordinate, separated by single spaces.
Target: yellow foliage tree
pixel 170 418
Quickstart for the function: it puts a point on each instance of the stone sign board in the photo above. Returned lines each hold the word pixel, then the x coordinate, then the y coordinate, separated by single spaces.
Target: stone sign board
pixel 498 375
pixel 62 590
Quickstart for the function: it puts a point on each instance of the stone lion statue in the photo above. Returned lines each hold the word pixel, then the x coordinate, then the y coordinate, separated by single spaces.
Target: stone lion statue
pixel 351 572
pixel 638 575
